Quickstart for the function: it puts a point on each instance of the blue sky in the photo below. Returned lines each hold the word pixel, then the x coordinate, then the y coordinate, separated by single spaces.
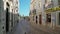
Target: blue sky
pixel 24 7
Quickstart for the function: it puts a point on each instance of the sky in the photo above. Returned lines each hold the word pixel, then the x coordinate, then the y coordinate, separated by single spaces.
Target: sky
pixel 24 7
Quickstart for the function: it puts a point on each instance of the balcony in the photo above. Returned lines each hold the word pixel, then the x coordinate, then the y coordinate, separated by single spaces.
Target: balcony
pixel 57 8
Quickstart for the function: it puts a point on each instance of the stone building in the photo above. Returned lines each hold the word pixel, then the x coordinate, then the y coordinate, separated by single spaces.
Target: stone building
pixel 37 11
pixel 2 18
pixel 52 9
pixel 15 11
pixel 45 12
pixel 8 15
pixel 31 11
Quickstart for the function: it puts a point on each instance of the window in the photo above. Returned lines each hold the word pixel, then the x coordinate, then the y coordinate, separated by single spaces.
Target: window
pixel 12 9
pixel 33 18
pixel 59 2
pixel 0 20
pixel 7 4
pixel 3 27
pixel 3 19
pixel 30 13
pixel 44 6
pixel 34 11
pixel 39 4
pixel 17 2
pixel 0 9
pixel 45 1
pixel 16 10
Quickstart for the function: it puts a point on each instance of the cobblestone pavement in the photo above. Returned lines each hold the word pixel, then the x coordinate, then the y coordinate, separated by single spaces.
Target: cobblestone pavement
pixel 25 27
pixel 46 28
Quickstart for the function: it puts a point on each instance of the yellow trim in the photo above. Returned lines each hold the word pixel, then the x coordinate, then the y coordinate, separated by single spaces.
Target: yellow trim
pixel 52 9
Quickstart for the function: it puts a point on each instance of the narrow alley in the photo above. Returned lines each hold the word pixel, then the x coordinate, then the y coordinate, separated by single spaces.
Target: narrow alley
pixel 24 27
pixel 29 17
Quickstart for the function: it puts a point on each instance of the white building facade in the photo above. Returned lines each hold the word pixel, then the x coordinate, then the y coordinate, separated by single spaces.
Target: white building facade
pixel 38 8
pixel 47 12
pixel 9 15
pixel 53 9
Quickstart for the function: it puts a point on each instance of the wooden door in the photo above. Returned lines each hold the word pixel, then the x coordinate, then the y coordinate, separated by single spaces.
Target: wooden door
pixel 40 19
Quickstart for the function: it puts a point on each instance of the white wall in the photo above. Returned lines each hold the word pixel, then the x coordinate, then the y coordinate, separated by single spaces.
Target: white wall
pixel 53 19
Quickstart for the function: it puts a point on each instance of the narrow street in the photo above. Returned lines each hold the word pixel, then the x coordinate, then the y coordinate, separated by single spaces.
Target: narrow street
pixel 24 27
pixel 21 27
pixel 29 17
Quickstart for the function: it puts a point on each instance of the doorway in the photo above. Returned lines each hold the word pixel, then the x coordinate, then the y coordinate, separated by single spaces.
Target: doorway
pixel 36 19
pixel 59 18
pixel 40 19
pixel 7 17
pixel 7 20
pixel 48 18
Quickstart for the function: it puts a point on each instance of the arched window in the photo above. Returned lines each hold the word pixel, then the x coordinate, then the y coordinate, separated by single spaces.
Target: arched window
pixel 7 4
